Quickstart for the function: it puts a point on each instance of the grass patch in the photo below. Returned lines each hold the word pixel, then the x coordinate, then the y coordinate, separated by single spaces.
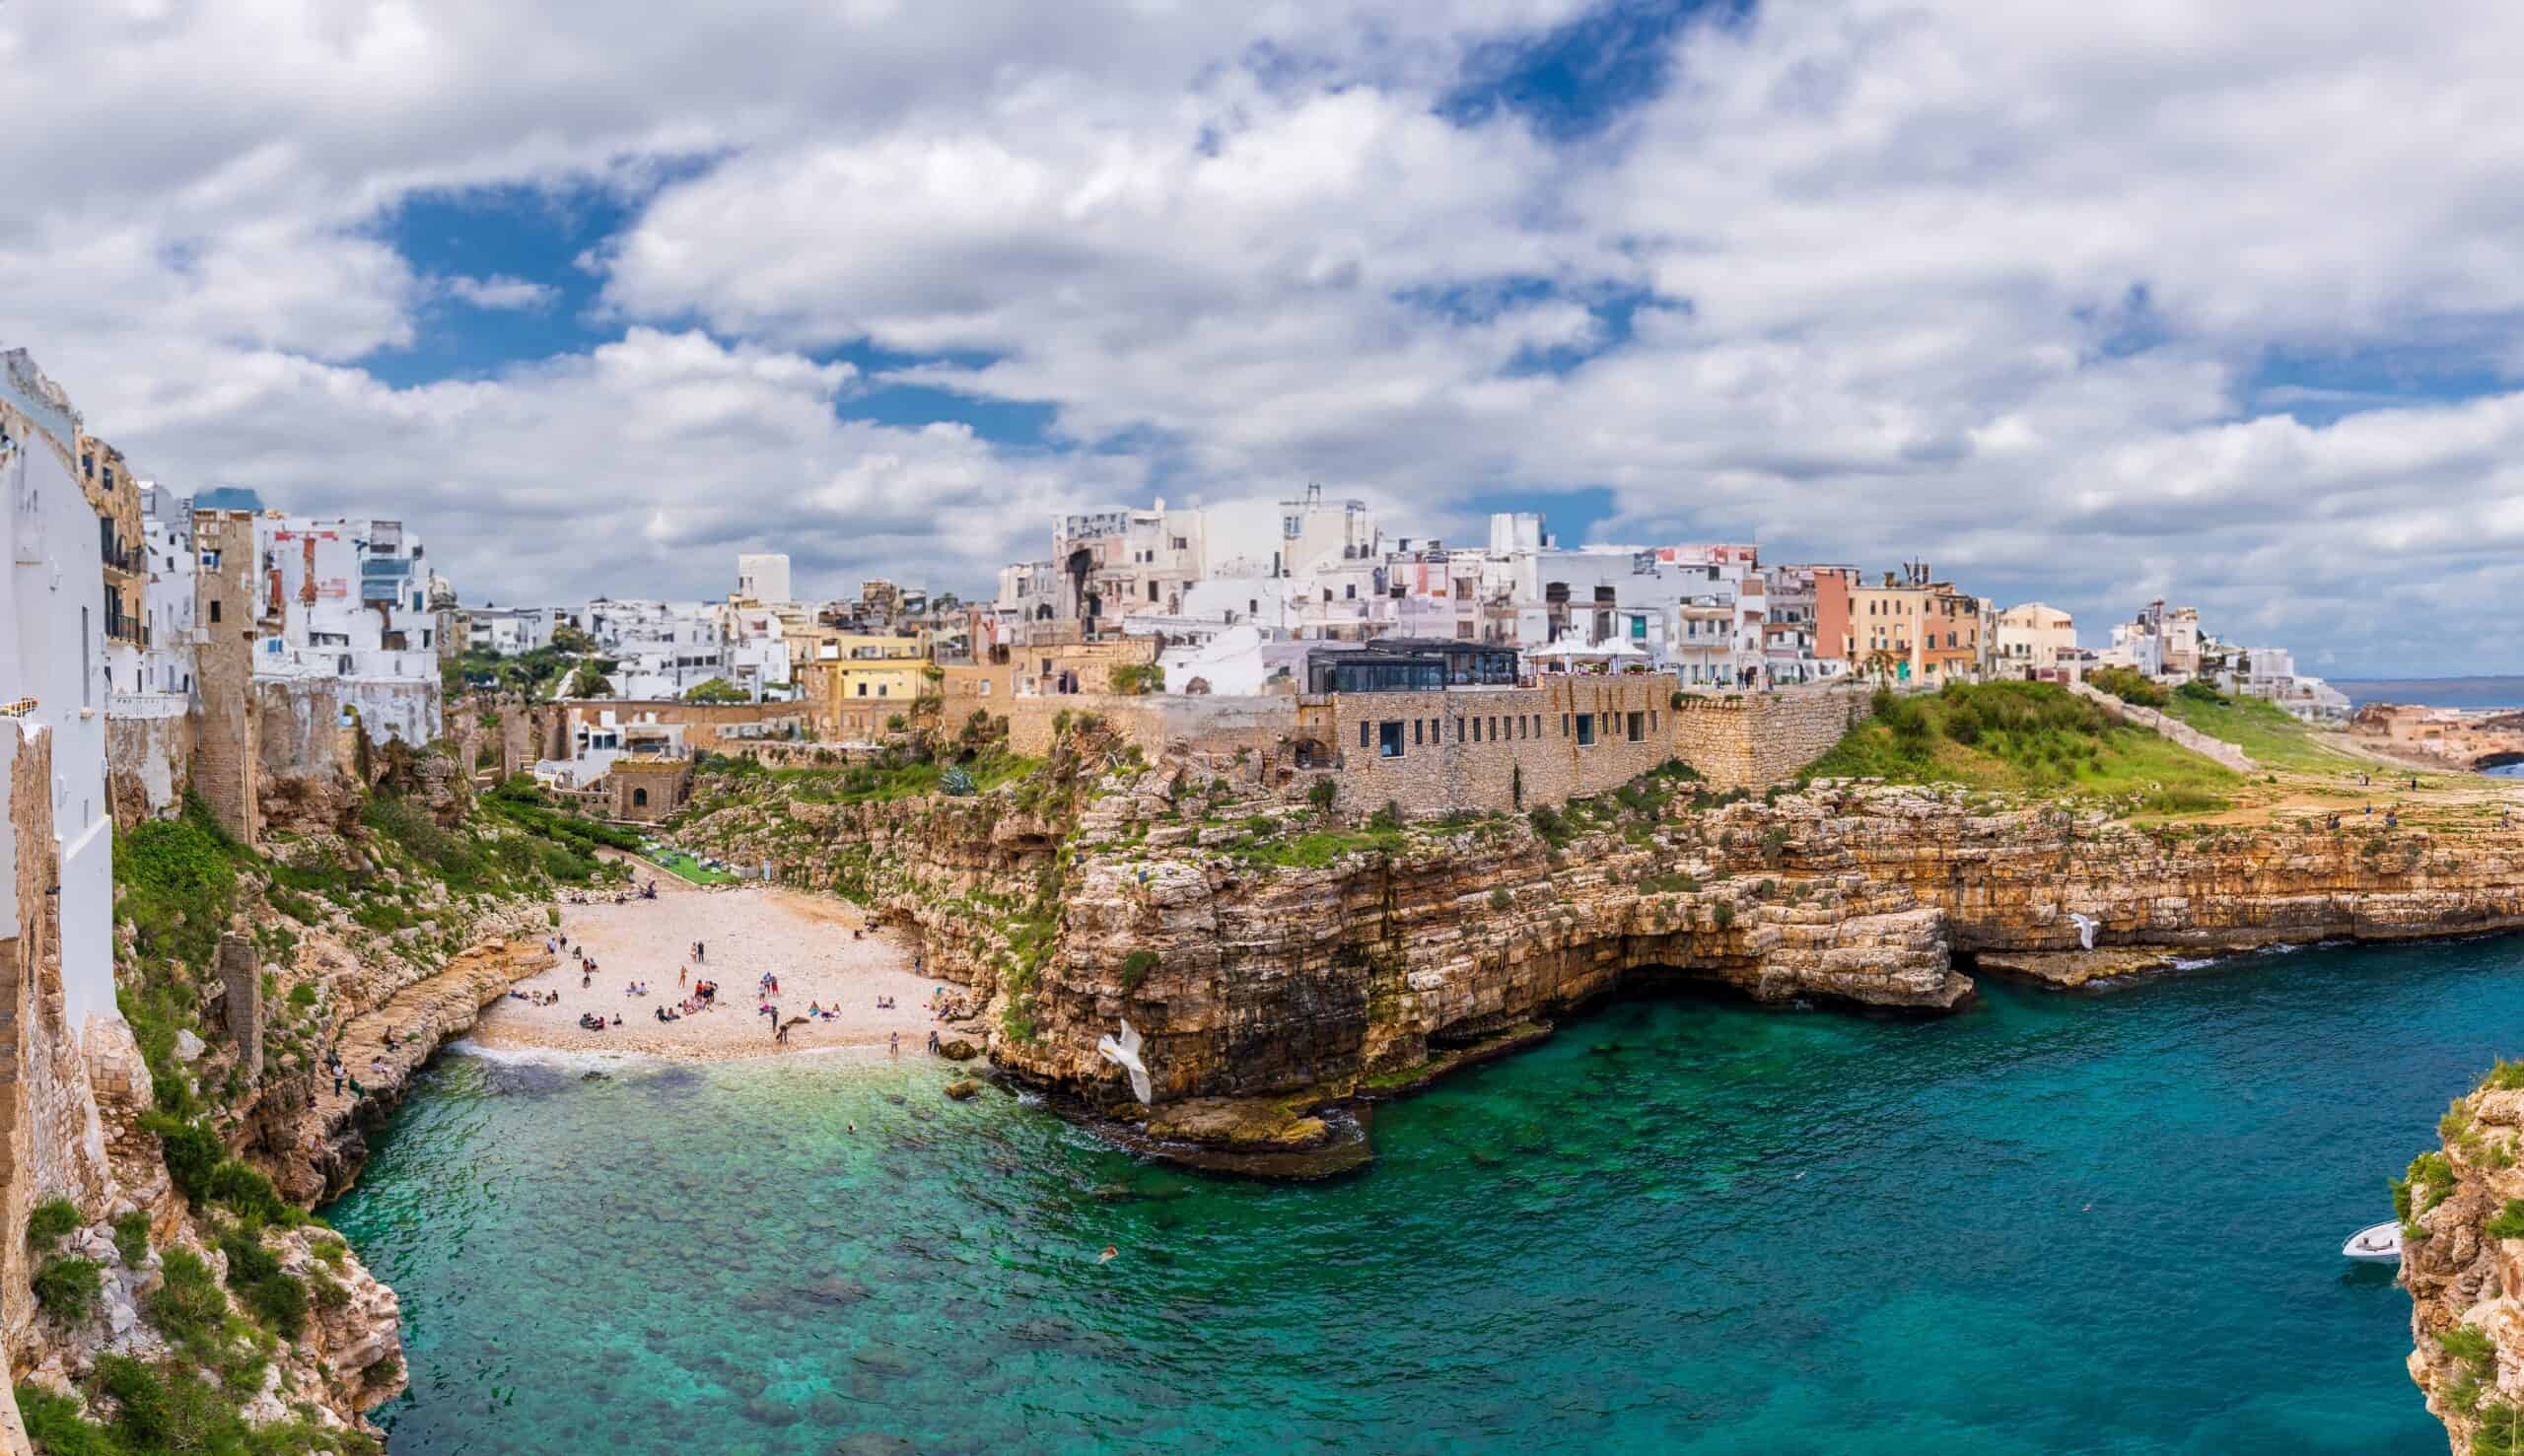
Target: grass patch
pixel 685 867
pixel 48 1220
pixel 2024 738
pixel 2268 732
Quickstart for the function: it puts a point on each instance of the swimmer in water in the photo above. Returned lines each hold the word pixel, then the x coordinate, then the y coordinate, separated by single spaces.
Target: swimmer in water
pixel 1108 1256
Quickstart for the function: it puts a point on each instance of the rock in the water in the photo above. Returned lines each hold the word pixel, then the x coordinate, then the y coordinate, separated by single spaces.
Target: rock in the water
pixel 958 1050
pixel 962 1089
pixel 1242 1123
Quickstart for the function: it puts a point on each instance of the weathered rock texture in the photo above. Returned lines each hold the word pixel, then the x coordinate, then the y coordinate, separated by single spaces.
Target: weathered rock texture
pixel 2466 1283
pixel 1171 906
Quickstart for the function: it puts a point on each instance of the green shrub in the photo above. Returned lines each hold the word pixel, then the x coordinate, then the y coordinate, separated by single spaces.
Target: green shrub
pixel 187 1306
pixel 2500 1432
pixel 1499 899
pixel 54 1424
pixel 49 1220
pixel 1136 966
pixel 67 1288
pixel 191 1149
pixel 131 1237
pixel 279 1300
pixel 1322 792
pixel 2128 685
pixel 2197 691
pixel 2510 1222
pixel 2505 1076
pixel 1723 913
pixel 1389 817
pixel 250 1193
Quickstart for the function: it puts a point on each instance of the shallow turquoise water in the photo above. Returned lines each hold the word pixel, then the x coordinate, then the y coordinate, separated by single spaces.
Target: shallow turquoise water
pixel 2051 1223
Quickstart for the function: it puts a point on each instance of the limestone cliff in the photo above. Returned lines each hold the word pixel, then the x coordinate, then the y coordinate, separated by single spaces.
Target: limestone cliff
pixel 1267 952
pixel 2463 1262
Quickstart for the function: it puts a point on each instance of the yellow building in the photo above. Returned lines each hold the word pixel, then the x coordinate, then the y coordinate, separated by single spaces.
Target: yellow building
pixel 859 681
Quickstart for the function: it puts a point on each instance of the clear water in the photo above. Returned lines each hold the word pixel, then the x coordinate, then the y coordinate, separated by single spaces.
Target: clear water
pixel 2051 1223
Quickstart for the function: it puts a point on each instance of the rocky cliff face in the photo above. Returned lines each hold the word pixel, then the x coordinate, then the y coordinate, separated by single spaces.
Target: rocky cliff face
pixel 1265 953
pixel 2463 1260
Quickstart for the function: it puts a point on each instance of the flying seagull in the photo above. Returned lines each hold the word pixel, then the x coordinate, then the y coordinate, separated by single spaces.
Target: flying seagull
pixel 2086 925
pixel 1125 1052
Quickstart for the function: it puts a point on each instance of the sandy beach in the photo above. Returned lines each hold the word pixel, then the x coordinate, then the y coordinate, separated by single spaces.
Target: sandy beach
pixel 805 939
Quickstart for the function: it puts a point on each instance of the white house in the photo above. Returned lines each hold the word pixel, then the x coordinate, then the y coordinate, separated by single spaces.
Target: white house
pixel 52 679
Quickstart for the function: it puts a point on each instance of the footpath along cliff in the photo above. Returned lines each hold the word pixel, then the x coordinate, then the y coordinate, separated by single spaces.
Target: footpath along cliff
pixel 1277 961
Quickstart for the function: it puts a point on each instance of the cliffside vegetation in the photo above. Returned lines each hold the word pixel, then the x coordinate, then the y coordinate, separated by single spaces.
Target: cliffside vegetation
pixel 2027 738
pixel 2268 732
pixel 223 1308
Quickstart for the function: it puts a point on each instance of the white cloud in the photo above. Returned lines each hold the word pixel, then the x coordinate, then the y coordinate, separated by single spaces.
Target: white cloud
pixel 1994 283
pixel 500 292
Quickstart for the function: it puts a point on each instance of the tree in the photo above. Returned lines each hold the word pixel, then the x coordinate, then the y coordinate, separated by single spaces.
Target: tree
pixel 570 639
pixel 589 681
pixel 716 690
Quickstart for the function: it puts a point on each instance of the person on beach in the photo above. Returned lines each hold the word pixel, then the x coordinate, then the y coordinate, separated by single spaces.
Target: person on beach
pixel 934 1047
pixel 679 973
pixel 894 1044
pixel 337 1079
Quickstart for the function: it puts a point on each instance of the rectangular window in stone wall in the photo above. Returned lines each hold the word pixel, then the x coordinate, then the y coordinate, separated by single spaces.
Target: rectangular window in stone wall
pixel 1637 727
pixel 1458 729
pixel 1389 739
pixel 1564 725
pixel 1494 728
pixel 1537 726
pixel 1364 729
pixel 1417 725
pixel 1585 729
pixel 1652 719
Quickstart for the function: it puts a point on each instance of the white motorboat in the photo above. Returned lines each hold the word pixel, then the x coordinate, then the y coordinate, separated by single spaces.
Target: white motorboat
pixel 2380 1244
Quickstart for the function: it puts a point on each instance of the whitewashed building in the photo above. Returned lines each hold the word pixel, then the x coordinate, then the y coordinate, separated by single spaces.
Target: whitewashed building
pixel 352 600
pixel 52 682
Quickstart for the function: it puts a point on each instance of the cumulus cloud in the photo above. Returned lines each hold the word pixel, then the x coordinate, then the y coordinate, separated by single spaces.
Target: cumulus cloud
pixel 500 291
pixel 2015 289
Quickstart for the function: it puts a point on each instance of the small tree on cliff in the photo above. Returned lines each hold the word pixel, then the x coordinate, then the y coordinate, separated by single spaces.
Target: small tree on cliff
pixel 589 681
pixel 716 690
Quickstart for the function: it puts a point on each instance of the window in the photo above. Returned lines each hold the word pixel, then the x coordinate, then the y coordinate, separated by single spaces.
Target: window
pixel 1537 724
pixel 1585 729
pixel 862 689
pixel 1564 725
pixel 1652 719
pixel 1151 591
pixel 1458 729
pixel 87 689
pixel 1417 725
pixel 1476 730
pixel 1389 739
pixel 1364 730
pixel 984 690
pixel 1349 593
pixel 639 798
pixel 213 610
pixel 1494 730
pixel 1637 727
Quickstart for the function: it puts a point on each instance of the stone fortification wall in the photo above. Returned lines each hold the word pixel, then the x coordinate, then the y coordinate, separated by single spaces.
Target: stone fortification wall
pixel 148 761
pixel 1214 723
pixel 1501 748
pixel 224 668
pixel 1754 740
pixel 2172 730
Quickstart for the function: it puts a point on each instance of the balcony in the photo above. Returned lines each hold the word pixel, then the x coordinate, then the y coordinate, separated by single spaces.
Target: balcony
pixel 124 627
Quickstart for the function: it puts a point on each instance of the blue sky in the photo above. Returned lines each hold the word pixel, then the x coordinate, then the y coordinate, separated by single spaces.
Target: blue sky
pixel 2061 300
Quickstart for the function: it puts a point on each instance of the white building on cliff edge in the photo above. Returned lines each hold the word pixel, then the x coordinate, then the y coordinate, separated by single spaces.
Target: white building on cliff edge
pixel 53 685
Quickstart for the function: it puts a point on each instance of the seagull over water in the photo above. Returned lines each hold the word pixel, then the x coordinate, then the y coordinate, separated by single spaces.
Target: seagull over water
pixel 1124 1051
pixel 2086 926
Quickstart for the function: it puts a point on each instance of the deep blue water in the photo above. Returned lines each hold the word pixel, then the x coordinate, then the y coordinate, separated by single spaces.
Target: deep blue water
pixel 2102 1223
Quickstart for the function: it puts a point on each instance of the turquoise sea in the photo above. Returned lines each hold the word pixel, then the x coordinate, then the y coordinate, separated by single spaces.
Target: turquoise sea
pixel 2051 1223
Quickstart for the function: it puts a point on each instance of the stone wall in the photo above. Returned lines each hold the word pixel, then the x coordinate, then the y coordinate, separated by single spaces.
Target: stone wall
pixel 645 791
pixel 1479 749
pixel 1754 740
pixel 2172 730
pixel 148 761
pixel 1214 723
pixel 707 727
